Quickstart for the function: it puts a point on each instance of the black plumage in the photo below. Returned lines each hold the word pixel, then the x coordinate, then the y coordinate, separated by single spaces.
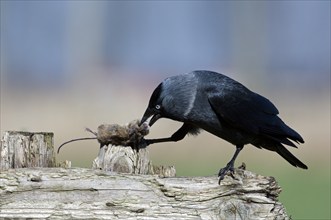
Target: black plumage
pixel 224 107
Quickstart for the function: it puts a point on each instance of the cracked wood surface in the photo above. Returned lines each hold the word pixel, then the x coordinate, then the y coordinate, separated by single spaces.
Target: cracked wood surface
pixel 26 149
pixel 79 193
pixel 127 160
pixel 128 193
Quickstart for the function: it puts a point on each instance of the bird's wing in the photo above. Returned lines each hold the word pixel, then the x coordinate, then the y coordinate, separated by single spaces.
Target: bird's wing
pixel 246 110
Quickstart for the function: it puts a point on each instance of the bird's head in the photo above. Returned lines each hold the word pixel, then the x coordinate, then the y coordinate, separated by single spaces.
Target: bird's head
pixel 154 107
pixel 173 98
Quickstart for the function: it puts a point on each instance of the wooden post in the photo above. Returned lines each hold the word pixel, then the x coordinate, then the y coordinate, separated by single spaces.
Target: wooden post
pixel 26 149
pixel 78 193
pixel 127 160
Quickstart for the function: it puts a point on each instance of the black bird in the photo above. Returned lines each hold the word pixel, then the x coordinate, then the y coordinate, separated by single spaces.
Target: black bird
pixel 225 108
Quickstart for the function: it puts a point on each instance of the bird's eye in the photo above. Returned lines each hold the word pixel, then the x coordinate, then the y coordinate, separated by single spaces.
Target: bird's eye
pixel 158 107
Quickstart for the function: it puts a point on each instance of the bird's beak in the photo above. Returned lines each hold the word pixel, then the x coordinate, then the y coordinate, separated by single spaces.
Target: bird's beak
pixel 148 113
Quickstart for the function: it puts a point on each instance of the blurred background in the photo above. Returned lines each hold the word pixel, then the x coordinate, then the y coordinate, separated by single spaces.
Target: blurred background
pixel 67 65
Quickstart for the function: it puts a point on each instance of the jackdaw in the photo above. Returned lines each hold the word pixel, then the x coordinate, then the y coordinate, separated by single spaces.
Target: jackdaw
pixel 225 108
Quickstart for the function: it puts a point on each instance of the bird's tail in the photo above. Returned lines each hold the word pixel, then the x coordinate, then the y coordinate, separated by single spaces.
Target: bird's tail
pixel 283 134
pixel 293 135
pixel 282 151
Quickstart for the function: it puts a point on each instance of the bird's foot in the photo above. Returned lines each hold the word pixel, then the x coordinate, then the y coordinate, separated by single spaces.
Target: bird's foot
pixel 137 145
pixel 143 143
pixel 228 169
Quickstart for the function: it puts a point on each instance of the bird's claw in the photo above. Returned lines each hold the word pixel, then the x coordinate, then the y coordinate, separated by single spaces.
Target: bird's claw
pixel 228 169
pixel 144 143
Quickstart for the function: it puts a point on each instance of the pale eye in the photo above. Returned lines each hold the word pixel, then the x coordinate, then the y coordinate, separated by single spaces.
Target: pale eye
pixel 158 107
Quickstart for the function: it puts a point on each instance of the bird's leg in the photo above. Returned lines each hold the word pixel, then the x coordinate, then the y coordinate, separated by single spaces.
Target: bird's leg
pixel 177 136
pixel 230 165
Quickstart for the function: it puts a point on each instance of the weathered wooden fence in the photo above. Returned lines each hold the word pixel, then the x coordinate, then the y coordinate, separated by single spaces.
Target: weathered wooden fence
pixel 123 184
